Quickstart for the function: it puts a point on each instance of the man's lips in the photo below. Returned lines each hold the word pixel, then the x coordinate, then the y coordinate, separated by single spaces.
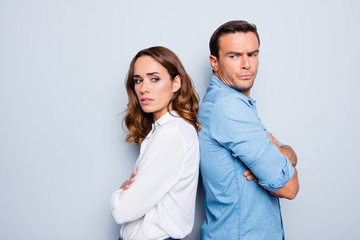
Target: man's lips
pixel 245 76
pixel 146 101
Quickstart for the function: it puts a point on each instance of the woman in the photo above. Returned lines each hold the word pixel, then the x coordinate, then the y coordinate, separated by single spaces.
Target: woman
pixel 158 201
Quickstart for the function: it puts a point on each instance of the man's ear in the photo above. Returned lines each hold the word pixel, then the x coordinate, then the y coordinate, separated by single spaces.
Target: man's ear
pixel 176 83
pixel 214 63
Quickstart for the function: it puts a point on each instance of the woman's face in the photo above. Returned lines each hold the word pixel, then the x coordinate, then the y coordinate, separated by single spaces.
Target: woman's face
pixel 153 86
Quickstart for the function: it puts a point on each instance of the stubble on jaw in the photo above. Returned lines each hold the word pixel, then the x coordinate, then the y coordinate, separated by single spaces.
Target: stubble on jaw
pixel 244 90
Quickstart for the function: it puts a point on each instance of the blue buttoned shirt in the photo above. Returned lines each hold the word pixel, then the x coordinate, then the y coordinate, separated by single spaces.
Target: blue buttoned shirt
pixel 232 139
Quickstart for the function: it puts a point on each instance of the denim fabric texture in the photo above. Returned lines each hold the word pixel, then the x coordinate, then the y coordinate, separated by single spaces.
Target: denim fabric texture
pixel 232 139
pixel 164 239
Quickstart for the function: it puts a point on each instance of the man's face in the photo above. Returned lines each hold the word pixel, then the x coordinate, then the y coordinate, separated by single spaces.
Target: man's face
pixel 238 60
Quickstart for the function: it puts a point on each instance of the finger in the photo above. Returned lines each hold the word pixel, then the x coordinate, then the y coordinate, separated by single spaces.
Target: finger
pixel 247 173
pixel 274 140
pixel 133 174
pixel 123 186
pixel 271 136
pixel 250 177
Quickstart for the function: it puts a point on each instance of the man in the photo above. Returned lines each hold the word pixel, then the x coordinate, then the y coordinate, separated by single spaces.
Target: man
pixel 235 146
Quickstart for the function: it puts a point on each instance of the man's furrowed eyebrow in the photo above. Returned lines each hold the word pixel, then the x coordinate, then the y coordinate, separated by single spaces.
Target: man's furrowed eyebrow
pixel 234 53
pixel 241 53
pixel 255 51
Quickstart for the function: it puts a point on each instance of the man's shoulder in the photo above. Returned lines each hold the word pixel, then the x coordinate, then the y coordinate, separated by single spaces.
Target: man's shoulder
pixel 213 94
pixel 224 98
pixel 225 108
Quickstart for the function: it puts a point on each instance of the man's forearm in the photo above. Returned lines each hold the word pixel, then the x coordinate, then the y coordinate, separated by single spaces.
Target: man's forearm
pixel 289 153
pixel 290 190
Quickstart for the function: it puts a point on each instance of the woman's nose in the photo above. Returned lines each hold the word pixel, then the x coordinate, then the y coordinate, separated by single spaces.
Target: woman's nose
pixel 144 87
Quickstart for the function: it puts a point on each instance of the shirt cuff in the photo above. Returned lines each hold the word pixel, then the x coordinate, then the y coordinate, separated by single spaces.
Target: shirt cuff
pixel 286 174
pixel 114 197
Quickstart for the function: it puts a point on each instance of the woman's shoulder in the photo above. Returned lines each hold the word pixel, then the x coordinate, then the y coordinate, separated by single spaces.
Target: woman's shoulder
pixel 179 126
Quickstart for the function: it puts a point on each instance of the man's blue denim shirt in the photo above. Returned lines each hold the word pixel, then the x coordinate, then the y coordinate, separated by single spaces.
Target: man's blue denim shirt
pixel 232 139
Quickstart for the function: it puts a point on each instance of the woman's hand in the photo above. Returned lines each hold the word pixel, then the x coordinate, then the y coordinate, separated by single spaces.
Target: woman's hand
pixel 127 183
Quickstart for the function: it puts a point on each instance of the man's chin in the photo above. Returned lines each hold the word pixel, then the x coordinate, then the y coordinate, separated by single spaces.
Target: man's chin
pixel 243 89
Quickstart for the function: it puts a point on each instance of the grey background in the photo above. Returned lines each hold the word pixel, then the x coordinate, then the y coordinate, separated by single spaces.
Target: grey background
pixel 62 71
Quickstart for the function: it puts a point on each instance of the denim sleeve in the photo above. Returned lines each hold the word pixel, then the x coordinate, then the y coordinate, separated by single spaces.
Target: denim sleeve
pixel 236 127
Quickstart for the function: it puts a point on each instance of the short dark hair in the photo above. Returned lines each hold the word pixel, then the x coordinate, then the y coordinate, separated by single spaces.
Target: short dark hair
pixel 230 27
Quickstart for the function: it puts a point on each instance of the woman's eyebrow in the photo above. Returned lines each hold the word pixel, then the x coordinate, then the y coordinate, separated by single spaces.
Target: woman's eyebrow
pixel 152 73
pixel 149 74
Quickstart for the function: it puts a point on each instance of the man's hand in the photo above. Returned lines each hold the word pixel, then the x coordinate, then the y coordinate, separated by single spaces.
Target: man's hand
pixel 127 183
pixel 250 176
pixel 274 140
pixel 291 188
pixel 286 150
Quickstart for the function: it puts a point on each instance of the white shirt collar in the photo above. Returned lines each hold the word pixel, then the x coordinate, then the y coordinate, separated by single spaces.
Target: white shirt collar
pixel 166 118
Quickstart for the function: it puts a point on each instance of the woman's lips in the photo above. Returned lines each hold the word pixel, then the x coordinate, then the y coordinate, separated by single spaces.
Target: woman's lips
pixel 145 101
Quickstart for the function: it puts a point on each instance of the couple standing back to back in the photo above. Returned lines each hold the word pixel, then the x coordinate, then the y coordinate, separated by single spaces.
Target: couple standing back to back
pixel 244 168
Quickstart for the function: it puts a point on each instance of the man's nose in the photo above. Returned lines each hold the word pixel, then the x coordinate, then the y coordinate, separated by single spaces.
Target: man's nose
pixel 245 63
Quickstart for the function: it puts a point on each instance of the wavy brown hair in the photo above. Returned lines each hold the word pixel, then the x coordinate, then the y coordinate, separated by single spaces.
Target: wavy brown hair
pixel 184 101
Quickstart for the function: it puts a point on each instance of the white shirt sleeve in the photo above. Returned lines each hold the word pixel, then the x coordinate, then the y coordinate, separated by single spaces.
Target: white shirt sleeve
pixel 159 170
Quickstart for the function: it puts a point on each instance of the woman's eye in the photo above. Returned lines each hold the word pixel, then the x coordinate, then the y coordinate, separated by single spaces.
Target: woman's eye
pixel 137 80
pixel 155 79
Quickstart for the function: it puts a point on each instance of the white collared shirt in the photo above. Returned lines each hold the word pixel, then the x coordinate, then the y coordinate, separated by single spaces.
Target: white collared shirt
pixel 161 201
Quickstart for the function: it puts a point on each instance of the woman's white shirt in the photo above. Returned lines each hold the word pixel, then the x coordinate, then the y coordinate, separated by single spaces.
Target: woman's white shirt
pixel 161 201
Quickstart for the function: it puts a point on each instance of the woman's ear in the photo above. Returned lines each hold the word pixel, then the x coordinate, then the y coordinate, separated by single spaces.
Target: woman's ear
pixel 176 83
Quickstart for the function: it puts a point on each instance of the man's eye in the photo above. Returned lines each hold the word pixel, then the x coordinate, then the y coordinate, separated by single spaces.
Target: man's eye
pixel 232 56
pixel 137 80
